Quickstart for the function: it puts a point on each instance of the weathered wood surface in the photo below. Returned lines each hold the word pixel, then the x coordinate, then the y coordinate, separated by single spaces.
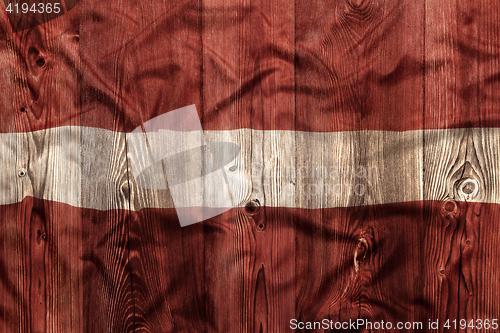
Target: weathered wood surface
pixel 406 89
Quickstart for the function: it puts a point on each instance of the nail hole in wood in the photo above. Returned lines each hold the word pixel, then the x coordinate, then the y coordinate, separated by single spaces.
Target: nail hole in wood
pixel 23 109
pixel 22 173
pixel 42 235
pixel 232 168
pixel 40 62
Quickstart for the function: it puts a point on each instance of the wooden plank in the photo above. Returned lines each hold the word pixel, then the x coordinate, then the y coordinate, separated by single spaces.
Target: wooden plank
pixel 248 70
pixel 164 262
pixel 109 300
pixel 15 256
pixel 366 73
pixel 456 82
pixel 52 235
pixel 480 256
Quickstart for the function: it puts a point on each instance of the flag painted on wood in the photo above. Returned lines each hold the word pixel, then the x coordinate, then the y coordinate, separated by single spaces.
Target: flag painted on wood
pixel 368 135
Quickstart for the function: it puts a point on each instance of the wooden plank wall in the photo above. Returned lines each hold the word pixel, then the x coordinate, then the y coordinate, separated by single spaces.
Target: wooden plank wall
pixel 267 65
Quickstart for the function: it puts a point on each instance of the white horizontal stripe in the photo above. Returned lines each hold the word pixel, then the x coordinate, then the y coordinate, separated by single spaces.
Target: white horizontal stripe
pixel 87 167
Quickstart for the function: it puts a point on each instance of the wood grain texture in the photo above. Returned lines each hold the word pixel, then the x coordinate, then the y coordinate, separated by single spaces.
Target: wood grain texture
pixel 463 63
pixel 408 91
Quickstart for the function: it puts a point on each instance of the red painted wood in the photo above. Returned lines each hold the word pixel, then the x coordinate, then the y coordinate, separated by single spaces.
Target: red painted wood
pixel 394 262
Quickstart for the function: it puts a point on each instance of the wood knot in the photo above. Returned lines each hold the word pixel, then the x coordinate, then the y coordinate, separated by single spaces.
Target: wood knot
pixel 360 253
pixel 467 188
pixel 361 249
pixel 252 207
pixel 125 190
pixel 449 209
pixel 41 235
pixel 37 60
pixel 40 62
pixel 361 8
pixel 450 206
pixel 355 3
pixel 261 226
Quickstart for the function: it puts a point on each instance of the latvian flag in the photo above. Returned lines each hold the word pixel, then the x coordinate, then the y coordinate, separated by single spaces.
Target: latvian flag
pixel 249 166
